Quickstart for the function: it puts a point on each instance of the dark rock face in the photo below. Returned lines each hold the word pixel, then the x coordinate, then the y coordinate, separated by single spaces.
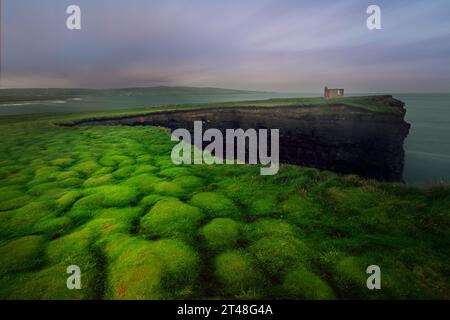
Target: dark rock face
pixel 339 138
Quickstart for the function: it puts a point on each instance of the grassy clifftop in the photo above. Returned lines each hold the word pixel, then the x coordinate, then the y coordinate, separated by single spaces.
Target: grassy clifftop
pixel 376 104
pixel 109 200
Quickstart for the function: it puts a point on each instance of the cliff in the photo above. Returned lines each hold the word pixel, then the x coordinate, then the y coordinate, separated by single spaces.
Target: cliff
pixel 361 135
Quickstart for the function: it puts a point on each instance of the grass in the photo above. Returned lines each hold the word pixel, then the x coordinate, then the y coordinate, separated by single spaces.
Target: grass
pixel 110 200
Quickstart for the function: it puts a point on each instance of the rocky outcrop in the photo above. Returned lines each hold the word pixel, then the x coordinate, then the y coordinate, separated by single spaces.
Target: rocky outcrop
pixel 336 137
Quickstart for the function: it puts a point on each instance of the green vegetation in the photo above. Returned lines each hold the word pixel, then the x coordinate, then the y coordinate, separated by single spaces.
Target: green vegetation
pixel 109 200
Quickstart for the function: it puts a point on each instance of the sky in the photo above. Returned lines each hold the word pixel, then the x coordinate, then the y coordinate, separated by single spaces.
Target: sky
pixel 272 45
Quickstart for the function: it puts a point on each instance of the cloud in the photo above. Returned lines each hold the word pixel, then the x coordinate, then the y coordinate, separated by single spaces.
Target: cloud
pixel 281 45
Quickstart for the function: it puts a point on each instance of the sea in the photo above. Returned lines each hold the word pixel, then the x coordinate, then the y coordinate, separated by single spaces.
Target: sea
pixel 427 148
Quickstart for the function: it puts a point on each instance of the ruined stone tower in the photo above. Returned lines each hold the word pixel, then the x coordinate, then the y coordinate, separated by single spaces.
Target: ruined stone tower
pixel 333 93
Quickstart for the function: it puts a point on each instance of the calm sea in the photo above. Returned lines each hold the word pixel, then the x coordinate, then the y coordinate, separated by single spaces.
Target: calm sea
pixel 427 147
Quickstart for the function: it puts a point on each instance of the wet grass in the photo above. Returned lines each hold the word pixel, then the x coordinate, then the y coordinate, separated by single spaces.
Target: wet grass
pixel 109 200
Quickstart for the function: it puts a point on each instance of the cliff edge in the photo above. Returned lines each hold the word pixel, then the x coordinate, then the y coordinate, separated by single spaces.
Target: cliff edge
pixel 355 135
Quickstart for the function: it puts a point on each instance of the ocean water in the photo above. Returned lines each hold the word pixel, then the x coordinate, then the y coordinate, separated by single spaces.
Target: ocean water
pixel 427 158
pixel 427 148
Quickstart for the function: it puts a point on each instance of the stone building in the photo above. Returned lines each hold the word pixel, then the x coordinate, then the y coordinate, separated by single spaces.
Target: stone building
pixel 333 93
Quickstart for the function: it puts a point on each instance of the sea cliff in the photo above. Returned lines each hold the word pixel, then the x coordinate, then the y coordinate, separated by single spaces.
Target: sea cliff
pixel 337 135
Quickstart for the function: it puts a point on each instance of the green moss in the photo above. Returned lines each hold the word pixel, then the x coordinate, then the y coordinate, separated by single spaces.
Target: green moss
pixel 86 207
pixel 87 167
pixel 299 206
pixel 53 226
pixel 9 193
pixel 67 174
pixel 124 172
pixel 135 275
pixel 237 275
pixel 276 255
pixel 152 199
pixel 72 248
pixel 68 199
pixel 149 270
pixel 145 160
pixel 116 160
pixel 118 196
pixel 102 172
pixel 265 206
pixel 169 189
pixel 301 283
pixel 21 254
pixel 55 183
pixel 215 204
pixel 91 201
pixel 13 199
pixel 145 168
pixel 114 220
pixel 189 183
pixel 221 234
pixel 269 228
pixel 351 201
pixel 350 274
pixel 171 219
pixel 19 222
pixel 181 267
pixel 174 172
pixel 144 183
pixel 98 181
pixel 49 283
pixel 44 174
pixel 62 162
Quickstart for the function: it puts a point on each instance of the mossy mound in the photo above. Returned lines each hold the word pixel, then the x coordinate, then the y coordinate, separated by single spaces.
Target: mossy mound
pixel 73 248
pixel 181 267
pixel 118 195
pixel 13 199
pixel 215 204
pixel 276 255
pixel 150 270
pixel 152 199
pixel 62 162
pixel 68 199
pixel 171 219
pixel 98 181
pixel 169 189
pixel 301 283
pixel 269 228
pixel 21 254
pixel 50 283
pixel 115 220
pixel 190 183
pixel 67 175
pixel 221 234
pixel 148 168
pixel 174 172
pixel 87 167
pixel 19 222
pixel 237 275
pixel 144 183
pixel 53 226
pixel 124 172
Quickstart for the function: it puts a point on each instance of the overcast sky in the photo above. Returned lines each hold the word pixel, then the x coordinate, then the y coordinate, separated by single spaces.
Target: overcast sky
pixel 277 45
